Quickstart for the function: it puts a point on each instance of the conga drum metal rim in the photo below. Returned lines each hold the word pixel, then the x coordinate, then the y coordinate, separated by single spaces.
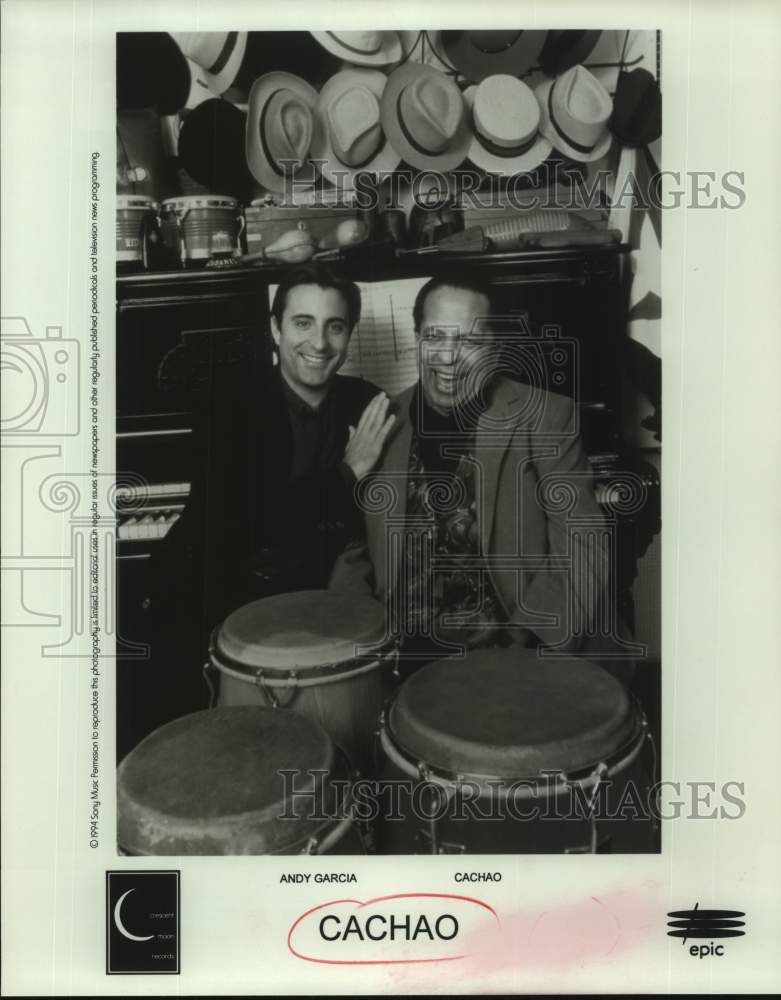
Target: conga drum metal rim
pixel 522 785
pixel 506 715
pixel 125 201
pixel 302 639
pixel 185 203
pixel 209 783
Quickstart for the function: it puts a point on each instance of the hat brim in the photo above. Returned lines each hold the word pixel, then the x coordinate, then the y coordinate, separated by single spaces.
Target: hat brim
pixel 507 165
pixel 456 153
pixel 220 82
pixel 332 168
pixel 476 65
pixel 389 52
pixel 257 161
pixel 560 144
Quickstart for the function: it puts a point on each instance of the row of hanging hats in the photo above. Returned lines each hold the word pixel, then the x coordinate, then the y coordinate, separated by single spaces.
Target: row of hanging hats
pixel 175 71
pixel 372 114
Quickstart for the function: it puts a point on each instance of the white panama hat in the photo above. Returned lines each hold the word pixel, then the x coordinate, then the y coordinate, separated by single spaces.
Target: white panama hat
pixel 574 113
pixel 505 120
pixel 219 53
pixel 351 139
pixel 362 48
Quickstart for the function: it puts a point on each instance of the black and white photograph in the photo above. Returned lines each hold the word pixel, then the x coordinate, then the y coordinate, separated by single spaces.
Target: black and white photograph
pixel 369 626
pixel 388 442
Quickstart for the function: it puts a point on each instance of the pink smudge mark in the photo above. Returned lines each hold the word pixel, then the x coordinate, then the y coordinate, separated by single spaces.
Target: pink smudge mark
pixel 585 931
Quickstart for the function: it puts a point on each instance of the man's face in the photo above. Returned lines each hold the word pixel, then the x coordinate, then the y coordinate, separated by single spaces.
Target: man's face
pixel 453 343
pixel 312 338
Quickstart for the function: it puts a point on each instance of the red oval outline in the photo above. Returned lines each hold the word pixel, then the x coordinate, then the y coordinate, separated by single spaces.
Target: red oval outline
pixel 381 899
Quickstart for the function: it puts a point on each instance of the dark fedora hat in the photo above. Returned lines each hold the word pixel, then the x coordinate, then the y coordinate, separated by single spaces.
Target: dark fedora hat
pixel 637 109
pixel 152 71
pixel 211 148
pixel 296 52
pixel 564 49
pixel 478 54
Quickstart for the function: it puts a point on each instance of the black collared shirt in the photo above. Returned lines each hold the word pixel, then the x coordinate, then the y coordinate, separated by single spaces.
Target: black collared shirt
pixel 313 434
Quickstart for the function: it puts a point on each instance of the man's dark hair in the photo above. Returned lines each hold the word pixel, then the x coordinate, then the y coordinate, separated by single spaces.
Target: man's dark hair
pixel 323 277
pixel 454 279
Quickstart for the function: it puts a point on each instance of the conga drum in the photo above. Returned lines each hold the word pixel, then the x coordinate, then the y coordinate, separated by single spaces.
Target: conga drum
pixel 194 226
pixel 505 752
pixel 236 781
pixel 136 218
pixel 321 654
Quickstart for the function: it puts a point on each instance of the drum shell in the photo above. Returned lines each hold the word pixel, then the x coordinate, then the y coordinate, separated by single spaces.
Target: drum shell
pixel 544 832
pixel 348 708
pixel 348 843
pixel 188 232
pixel 135 220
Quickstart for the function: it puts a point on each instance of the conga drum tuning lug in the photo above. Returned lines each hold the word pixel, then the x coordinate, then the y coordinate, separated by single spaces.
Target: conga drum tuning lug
pixel 311 846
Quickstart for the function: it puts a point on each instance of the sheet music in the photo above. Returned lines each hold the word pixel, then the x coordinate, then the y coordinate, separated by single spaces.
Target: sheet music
pixel 382 347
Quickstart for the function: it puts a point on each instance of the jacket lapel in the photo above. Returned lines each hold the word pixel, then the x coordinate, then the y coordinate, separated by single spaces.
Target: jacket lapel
pixel 494 430
pixel 392 475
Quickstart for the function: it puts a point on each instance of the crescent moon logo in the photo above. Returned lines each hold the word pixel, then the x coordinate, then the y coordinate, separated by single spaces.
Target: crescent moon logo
pixel 118 920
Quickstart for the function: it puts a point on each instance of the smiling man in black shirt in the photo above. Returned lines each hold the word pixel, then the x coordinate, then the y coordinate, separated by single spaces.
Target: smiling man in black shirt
pixel 272 505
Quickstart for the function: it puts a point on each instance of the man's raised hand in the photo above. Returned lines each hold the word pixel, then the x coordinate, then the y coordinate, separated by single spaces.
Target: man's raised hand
pixel 364 446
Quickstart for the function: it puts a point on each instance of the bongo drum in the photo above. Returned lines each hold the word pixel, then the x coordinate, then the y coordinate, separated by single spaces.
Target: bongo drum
pixel 505 752
pixel 136 216
pixel 210 783
pixel 322 654
pixel 195 225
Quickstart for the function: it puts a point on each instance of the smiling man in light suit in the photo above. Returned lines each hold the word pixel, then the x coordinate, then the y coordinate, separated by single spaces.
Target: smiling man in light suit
pixel 482 527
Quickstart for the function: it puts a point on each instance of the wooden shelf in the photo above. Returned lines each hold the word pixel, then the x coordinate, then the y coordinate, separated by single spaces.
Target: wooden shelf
pixel 541 265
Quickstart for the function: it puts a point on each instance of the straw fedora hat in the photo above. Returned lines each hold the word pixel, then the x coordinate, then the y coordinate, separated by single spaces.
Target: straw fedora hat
pixel 425 118
pixel 350 138
pixel 362 48
pixel 574 113
pixel 506 120
pixel 219 53
pixel 281 125
pixel 478 54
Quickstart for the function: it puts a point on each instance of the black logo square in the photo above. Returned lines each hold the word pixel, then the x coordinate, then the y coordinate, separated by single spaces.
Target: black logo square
pixel 142 923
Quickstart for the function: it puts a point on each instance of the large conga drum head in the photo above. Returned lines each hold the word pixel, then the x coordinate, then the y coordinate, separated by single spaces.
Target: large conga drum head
pixel 317 653
pixel 303 630
pixel 510 714
pixel 515 754
pixel 210 783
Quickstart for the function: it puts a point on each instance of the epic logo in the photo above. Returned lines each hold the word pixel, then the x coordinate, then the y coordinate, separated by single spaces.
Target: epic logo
pixel 697 923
